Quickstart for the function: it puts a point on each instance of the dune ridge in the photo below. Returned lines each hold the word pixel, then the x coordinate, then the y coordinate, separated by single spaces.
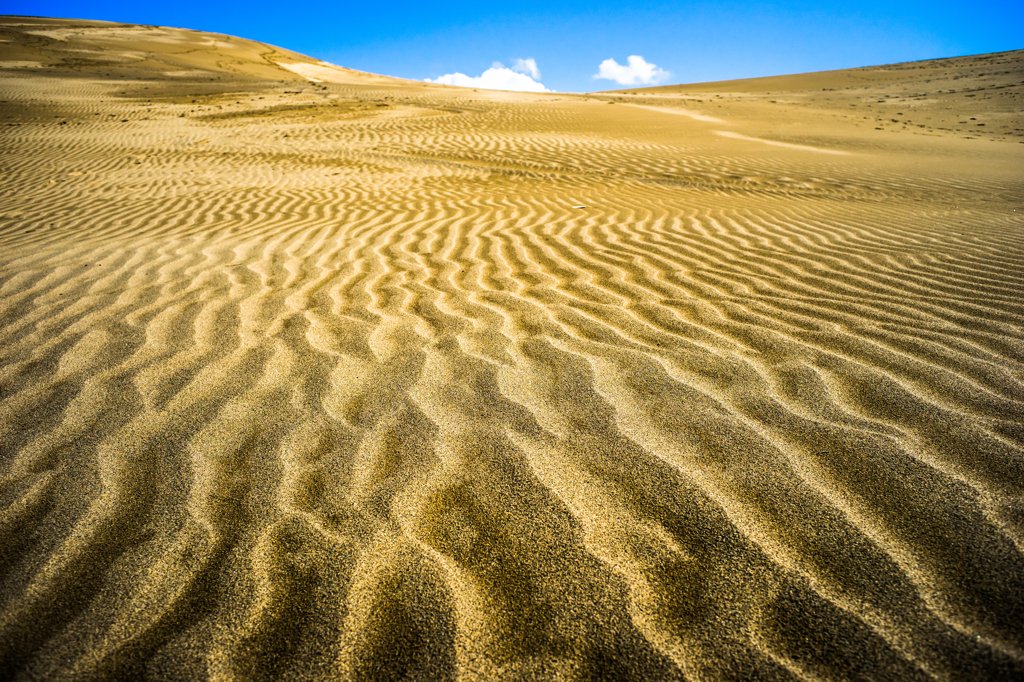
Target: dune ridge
pixel 330 379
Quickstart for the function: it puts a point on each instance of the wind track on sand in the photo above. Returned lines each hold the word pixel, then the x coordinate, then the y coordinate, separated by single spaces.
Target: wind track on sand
pixel 374 399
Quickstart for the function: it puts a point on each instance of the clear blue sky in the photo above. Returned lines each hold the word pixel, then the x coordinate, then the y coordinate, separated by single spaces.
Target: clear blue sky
pixel 695 41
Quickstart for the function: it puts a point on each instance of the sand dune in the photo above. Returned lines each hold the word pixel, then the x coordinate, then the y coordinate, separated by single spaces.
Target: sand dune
pixel 329 379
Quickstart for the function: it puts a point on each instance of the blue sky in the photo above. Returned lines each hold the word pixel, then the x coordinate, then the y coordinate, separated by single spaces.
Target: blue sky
pixel 691 41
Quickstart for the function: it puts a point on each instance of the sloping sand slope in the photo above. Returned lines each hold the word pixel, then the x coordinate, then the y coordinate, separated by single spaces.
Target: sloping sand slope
pixel 332 379
pixel 981 96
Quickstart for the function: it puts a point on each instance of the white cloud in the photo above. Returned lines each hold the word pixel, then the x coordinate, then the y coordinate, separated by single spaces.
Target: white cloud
pixel 637 72
pixel 498 77
pixel 527 66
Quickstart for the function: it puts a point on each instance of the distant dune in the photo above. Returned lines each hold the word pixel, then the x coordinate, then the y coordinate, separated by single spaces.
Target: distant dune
pixel 309 373
pixel 978 96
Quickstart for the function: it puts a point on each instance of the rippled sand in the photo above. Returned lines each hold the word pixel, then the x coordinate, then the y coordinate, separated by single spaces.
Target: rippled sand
pixel 372 379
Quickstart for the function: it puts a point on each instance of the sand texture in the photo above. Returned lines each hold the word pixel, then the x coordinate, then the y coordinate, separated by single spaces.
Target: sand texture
pixel 313 374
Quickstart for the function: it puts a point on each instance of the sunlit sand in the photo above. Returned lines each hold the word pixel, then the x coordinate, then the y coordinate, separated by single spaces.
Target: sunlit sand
pixel 308 373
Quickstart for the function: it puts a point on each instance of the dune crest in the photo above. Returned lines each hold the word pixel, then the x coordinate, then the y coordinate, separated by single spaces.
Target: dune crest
pixel 369 378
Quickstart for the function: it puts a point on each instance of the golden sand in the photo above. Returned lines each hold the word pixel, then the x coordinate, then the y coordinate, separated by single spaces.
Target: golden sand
pixel 308 373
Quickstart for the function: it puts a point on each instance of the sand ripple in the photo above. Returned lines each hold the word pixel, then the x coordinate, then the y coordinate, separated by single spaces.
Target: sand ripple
pixel 373 400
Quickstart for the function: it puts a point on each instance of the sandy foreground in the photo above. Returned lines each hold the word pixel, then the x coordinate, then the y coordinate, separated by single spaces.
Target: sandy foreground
pixel 308 373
